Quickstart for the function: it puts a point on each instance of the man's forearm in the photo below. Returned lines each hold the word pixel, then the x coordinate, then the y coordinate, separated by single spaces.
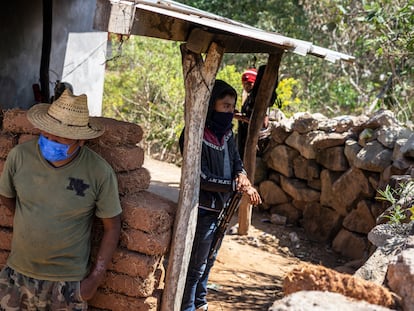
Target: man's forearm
pixel 112 228
pixel 110 239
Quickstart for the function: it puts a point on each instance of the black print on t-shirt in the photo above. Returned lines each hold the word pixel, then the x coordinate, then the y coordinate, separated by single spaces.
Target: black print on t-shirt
pixel 78 185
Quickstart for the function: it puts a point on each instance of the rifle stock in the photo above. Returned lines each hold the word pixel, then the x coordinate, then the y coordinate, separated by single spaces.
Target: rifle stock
pixel 224 219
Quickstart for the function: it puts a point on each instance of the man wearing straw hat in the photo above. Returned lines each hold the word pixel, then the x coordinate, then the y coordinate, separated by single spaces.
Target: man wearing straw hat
pixel 55 186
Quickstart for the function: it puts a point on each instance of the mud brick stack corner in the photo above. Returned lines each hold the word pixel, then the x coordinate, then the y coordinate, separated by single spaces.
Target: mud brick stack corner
pixel 135 277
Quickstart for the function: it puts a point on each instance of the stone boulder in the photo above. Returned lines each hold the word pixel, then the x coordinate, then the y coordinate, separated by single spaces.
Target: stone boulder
pixel 350 244
pixel 320 222
pixel 372 157
pixel 280 159
pixel 272 193
pixel 322 301
pixel 303 143
pixel 400 277
pixel 408 148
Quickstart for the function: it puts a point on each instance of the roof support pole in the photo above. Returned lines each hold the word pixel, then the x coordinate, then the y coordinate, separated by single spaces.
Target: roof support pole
pixel 46 47
pixel 199 78
pixel 269 80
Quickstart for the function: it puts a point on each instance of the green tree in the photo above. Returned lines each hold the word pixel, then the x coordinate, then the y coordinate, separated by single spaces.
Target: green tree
pixel 144 78
pixel 379 34
pixel 285 17
pixel 144 85
pixel 273 15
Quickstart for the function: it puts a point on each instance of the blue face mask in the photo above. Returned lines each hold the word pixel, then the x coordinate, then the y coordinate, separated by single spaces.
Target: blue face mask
pixel 53 151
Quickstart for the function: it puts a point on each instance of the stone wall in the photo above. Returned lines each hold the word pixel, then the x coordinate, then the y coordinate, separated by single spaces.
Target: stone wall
pixel 323 174
pixel 135 278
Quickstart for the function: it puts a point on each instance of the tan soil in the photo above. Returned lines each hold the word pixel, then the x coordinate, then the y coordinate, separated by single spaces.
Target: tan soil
pixel 249 270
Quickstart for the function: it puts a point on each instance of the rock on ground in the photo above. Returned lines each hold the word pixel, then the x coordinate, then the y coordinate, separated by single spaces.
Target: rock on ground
pixel 322 301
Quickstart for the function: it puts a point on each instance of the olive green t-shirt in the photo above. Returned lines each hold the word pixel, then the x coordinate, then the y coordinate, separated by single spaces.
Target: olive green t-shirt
pixel 54 210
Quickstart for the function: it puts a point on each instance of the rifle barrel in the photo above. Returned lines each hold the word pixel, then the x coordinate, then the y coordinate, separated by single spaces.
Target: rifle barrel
pixel 223 221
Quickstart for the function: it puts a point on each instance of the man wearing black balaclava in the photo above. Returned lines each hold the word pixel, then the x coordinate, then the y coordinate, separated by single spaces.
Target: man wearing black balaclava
pixel 222 173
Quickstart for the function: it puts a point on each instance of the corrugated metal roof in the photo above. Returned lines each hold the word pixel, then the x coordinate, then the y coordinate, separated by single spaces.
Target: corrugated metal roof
pixel 171 20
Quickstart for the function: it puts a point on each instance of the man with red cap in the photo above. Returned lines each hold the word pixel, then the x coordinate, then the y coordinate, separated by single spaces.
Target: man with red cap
pixel 247 108
pixel 248 79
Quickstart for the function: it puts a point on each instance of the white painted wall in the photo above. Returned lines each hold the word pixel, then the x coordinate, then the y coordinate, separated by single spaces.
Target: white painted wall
pixel 86 71
pixel 77 56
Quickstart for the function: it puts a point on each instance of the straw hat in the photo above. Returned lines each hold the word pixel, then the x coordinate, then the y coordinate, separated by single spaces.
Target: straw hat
pixel 67 116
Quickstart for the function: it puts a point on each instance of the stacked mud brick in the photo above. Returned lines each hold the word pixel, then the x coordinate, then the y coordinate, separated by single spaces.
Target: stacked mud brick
pixel 136 276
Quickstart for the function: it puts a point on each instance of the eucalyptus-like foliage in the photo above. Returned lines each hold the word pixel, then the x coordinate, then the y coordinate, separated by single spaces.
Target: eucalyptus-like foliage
pixel 144 82
pixel 378 33
pixel 144 85
pixel 273 15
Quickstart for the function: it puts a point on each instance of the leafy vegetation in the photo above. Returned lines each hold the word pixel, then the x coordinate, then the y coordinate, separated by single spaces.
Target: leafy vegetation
pixel 400 200
pixel 144 85
pixel 379 35
pixel 144 81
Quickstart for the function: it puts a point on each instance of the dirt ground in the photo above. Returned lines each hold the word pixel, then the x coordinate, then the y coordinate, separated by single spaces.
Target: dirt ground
pixel 249 270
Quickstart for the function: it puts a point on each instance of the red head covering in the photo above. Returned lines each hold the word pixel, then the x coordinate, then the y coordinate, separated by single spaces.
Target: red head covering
pixel 249 75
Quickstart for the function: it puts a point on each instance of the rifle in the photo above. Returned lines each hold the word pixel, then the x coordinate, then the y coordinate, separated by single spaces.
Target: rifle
pixel 224 219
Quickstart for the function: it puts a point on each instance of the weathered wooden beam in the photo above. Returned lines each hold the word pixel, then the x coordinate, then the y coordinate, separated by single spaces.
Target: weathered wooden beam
pixel 199 40
pixel 264 96
pixel 114 17
pixel 199 78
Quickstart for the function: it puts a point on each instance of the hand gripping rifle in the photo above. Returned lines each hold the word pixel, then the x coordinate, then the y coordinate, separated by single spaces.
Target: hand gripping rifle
pixel 224 219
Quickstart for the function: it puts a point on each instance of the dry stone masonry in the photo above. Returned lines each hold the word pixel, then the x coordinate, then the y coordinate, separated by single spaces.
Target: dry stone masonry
pixel 136 275
pixel 323 174
pixel 320 173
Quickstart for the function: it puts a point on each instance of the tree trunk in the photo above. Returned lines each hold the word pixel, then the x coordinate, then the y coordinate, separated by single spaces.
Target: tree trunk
pixel 199 78
pixel 264 96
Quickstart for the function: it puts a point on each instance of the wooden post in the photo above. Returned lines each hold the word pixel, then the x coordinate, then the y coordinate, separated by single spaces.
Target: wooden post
pixel 199 78
pixel 264 96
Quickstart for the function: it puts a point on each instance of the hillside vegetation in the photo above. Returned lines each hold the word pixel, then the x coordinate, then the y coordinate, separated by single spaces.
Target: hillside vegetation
pixel 144 82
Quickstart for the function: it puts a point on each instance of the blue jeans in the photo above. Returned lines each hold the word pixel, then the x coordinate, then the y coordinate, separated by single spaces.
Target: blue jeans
pixel 195 291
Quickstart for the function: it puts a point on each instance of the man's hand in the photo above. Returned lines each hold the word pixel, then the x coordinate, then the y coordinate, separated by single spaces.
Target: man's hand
pixel 89 285
pixel 254 196
pixel 243 184
pixel 241 117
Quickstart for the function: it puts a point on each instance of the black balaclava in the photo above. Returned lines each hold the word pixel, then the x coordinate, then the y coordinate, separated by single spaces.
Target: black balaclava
pixel 219 122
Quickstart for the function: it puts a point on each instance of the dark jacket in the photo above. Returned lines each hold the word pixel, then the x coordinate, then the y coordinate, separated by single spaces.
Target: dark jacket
pixel 220 160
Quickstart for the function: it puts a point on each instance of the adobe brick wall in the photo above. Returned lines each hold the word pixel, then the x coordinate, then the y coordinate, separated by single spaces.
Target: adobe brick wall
pixel 135 277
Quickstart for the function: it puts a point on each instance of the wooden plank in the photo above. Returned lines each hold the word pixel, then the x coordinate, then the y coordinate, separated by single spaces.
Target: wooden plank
pixel 114 17
pixel 199 78
pixel 264 95
pixel 175 21
pixel 199 40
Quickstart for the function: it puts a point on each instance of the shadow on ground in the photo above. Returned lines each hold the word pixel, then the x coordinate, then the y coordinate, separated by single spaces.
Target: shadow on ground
pixel 247 297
